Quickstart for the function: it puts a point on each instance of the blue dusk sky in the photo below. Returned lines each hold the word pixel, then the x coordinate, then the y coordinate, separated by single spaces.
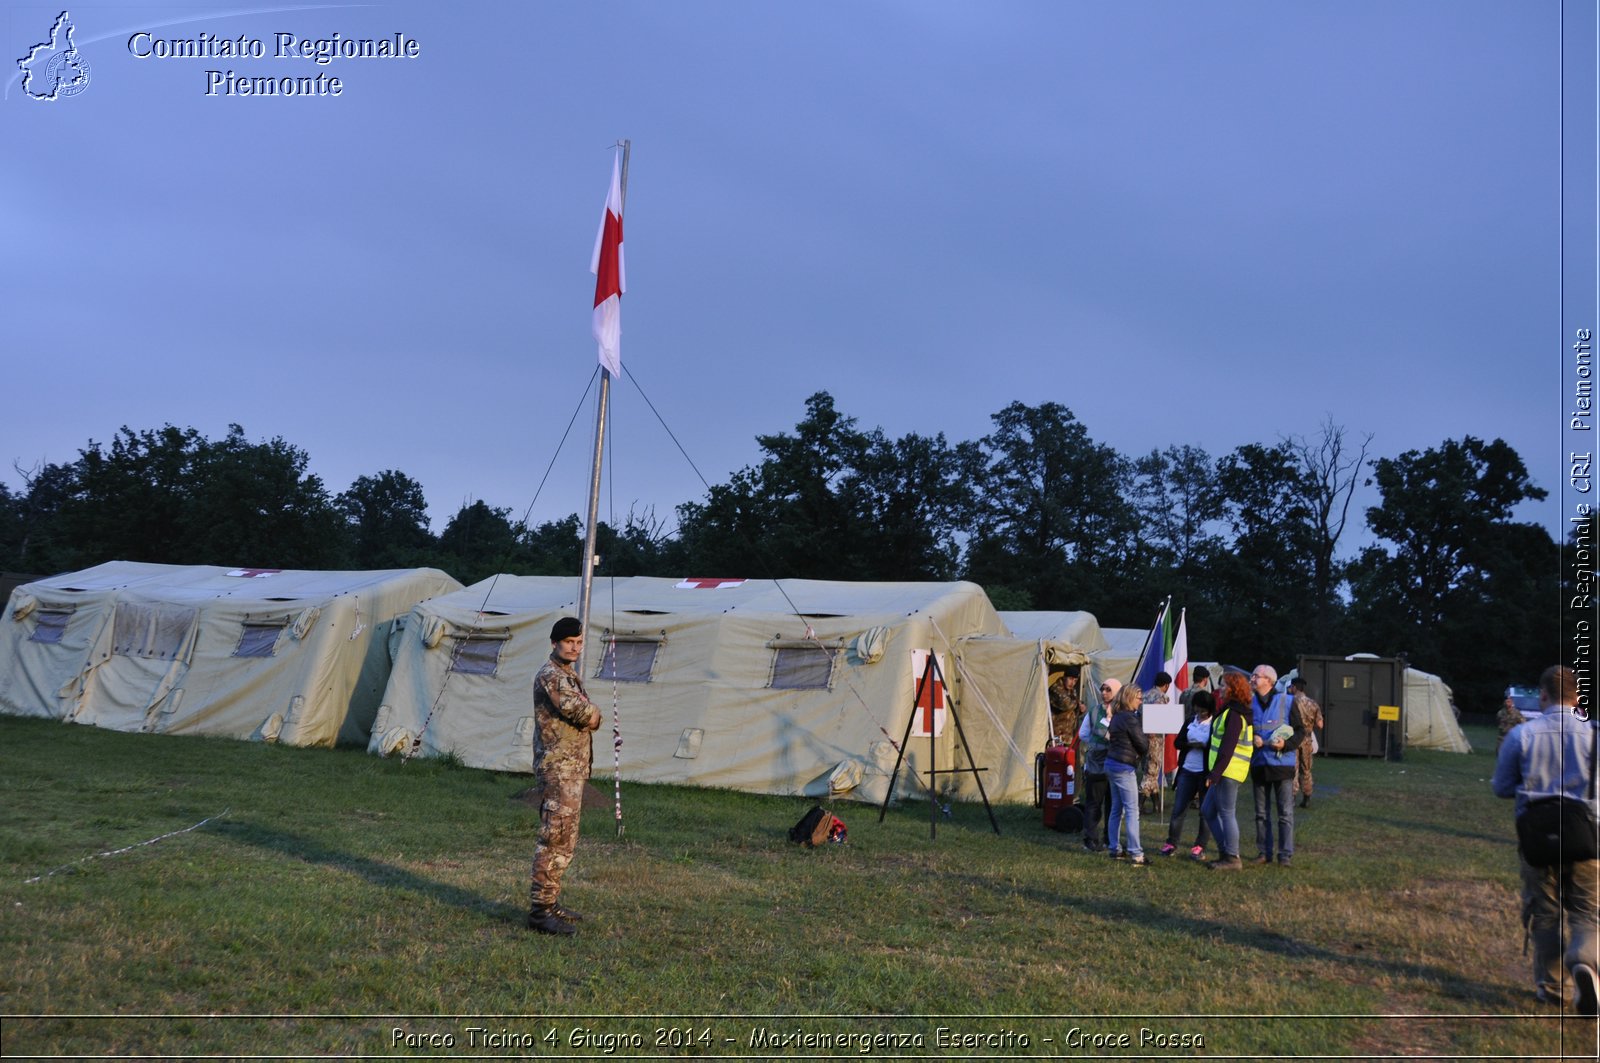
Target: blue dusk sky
pixel 1191 223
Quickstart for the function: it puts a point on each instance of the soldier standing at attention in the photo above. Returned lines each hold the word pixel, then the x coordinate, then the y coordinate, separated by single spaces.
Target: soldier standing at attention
pixel 562 753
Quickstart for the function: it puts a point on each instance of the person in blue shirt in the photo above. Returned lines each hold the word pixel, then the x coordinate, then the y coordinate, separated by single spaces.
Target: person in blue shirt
pixel 1553 755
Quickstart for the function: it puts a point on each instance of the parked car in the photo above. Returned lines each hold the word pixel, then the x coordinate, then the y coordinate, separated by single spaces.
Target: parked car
pixel 1525 699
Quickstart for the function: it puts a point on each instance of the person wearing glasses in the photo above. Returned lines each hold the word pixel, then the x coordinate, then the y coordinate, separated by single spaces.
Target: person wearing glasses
pixel 1278 734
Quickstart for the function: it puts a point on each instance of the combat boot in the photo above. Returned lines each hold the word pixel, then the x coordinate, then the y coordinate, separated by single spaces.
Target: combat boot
pixel 563 912
pixel 546 920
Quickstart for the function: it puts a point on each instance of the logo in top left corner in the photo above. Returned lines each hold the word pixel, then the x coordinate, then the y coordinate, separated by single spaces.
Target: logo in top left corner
pixel 55 69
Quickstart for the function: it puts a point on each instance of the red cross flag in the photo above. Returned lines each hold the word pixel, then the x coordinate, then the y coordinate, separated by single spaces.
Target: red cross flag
pixel 610 278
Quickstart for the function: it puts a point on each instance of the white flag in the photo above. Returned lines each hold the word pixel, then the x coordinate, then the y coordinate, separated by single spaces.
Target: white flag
pixel 610 277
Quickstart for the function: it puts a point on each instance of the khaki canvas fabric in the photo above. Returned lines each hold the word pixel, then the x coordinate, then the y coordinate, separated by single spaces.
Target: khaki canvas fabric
pixel 1430 720
pixel 712 708
pixel 290 656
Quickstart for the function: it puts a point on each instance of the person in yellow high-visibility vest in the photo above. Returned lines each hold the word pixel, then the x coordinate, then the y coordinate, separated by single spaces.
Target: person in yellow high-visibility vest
pixel 1228 765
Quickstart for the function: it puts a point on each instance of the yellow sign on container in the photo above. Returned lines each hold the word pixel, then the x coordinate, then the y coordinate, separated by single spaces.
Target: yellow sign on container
pixel 1388 712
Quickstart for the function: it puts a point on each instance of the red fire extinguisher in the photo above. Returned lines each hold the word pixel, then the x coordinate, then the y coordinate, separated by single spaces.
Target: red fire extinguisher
pixel 1057 784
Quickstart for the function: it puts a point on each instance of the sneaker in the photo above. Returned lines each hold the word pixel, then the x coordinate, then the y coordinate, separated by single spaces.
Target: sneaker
pixel 1586 989
pixel 1197 853
pixel 1114 854
pixel 1139 861
pixel 1168 849
pixel 1227 863
pixel 1545 996
pixel 1283 861
pixel 1262 860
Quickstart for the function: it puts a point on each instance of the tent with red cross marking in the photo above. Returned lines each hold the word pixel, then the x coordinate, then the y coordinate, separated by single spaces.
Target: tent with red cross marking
pixel 783 687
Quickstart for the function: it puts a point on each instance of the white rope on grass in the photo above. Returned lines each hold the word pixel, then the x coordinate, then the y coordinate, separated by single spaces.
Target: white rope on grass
pixel 126 848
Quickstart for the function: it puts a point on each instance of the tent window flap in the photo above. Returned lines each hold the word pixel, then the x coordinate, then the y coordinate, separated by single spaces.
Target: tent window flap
pixel 628 660
pixel 156 630
pixel 807 667
pixel 477 656
pixel 259 638
pixel 49 625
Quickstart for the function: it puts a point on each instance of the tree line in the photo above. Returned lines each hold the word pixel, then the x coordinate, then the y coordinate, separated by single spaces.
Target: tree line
pixel 1037 512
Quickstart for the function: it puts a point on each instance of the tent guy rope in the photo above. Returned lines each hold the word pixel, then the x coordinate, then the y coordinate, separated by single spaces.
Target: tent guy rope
pixel 126 848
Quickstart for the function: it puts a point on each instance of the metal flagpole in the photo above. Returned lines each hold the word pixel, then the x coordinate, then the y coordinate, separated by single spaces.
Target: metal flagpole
pixel 601 406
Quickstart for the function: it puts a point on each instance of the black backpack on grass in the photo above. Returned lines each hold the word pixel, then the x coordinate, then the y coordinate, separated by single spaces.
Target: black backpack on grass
pixel 817 827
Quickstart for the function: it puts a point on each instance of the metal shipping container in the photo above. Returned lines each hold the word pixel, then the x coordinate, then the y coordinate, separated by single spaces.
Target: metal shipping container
pixel 1350 692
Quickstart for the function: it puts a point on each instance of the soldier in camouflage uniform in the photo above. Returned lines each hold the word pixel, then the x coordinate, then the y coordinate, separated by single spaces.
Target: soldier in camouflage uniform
pixel 1508 718
pixel 1066 706
pixel 1154 762
pixel 1310 716
pixel 562 753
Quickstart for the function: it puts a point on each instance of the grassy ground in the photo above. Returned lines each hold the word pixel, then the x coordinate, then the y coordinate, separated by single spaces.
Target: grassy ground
pixel 346 904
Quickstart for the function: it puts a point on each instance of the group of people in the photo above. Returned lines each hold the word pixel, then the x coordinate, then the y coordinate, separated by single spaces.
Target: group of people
pixel 1244 730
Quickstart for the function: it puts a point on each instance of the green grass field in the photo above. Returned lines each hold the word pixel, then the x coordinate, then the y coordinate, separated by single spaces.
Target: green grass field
pixel 346 904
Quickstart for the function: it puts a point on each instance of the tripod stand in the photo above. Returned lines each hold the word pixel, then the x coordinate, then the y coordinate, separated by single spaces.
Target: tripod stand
pixel 929 685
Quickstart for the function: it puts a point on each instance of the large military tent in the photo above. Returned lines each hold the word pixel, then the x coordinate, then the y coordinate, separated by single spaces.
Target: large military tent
pixel 798 687
pixel 289 656
pixel 1121 653
pixel 1431 716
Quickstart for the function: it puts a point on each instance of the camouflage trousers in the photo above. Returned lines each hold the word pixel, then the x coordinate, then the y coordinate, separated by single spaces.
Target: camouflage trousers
pixel 560 809
pixel 1302 769
pixel 1151 767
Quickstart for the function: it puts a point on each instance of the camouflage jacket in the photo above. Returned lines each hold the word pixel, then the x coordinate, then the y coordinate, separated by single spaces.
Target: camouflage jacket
pixel 1066 712
pixel 564 717
pixel 1507 718
pixel 1309 711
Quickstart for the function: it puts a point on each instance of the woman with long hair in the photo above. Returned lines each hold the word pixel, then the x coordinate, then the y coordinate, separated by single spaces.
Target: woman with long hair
pixel 1126 745
pixel 1228 754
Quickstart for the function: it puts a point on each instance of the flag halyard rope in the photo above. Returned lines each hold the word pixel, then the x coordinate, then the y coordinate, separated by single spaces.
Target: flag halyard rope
pixel 455 654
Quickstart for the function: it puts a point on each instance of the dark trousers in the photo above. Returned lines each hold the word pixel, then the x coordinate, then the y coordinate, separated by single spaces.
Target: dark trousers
pixel 1191 784
pixel 1096 803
